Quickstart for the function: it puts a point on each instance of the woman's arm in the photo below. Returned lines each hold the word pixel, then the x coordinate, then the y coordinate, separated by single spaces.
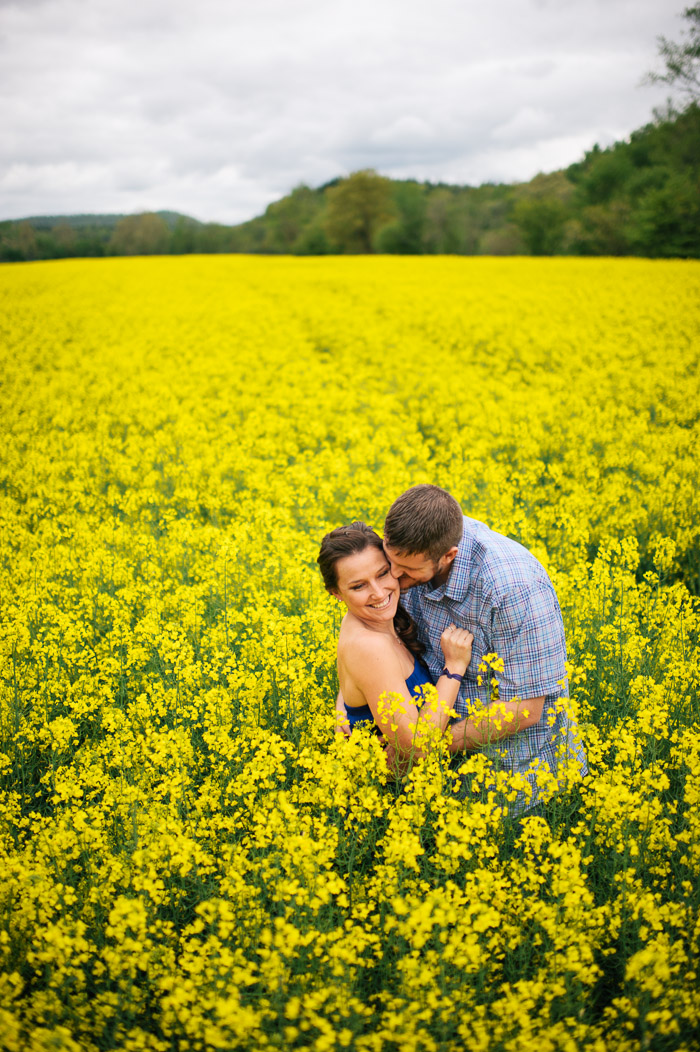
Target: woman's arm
pixel 456 646
pixel 376 670
pixel 342 724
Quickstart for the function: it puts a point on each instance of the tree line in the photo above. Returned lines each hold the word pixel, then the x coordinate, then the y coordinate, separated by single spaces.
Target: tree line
pixel 638 197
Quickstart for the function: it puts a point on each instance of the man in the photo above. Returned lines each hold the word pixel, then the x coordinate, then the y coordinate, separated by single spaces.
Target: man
pixel 453 569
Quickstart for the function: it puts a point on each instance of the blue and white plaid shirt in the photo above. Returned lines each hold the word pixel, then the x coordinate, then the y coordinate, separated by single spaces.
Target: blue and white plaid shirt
pixel 498 591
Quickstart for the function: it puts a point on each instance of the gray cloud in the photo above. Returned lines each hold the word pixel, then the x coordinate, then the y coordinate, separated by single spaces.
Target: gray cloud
pixel 217 107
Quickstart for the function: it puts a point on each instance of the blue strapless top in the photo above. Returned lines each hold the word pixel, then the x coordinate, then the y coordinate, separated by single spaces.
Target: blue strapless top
pixel 415 683
pixel 417 680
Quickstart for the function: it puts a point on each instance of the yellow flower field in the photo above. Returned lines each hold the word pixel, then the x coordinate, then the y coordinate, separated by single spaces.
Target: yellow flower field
pixel 188 859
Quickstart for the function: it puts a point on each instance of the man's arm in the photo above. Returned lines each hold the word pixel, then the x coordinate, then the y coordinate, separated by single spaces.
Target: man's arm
pixel 528 635
pixel 500 719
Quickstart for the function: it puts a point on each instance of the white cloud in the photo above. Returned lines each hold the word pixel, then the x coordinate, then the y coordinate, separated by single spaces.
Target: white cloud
pixel 403 132
pixel 217 107
pixel 527 124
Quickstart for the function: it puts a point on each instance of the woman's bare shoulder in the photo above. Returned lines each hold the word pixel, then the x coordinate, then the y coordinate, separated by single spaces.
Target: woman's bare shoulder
pixel 356 642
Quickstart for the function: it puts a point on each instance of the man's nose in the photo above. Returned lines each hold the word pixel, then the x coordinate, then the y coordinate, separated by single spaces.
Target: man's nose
pixel 395 572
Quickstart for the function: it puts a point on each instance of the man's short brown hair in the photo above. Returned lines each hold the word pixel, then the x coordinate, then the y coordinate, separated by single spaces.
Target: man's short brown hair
pixel 425 520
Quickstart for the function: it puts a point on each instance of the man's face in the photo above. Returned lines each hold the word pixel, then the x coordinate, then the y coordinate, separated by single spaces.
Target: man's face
pixel 417 569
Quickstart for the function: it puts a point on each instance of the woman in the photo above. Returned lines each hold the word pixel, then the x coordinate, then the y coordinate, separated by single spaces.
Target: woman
pixel 378 648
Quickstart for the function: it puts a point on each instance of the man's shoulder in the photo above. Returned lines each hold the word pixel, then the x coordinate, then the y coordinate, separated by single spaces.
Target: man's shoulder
pixel 501 564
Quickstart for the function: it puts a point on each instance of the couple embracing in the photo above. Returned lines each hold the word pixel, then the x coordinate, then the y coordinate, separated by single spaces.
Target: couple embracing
pixel 426 605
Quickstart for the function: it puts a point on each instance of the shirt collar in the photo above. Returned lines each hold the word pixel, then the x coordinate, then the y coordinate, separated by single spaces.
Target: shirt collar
pixel 457 583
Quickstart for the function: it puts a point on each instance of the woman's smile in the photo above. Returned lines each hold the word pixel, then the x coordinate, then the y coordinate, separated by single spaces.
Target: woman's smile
pixel 383 603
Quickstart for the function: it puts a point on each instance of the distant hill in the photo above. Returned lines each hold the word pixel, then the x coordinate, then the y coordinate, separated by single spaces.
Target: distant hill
pixel 79 222
pixel 58 237
pixel 640 196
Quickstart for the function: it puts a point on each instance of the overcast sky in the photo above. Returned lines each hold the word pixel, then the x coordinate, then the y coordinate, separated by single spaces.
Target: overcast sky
pixel 216 108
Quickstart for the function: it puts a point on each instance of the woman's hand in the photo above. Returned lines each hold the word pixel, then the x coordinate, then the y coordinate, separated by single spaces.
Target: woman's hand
pixel 456 646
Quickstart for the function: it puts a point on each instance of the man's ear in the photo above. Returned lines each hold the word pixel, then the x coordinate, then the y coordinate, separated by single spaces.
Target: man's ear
pixel 449 556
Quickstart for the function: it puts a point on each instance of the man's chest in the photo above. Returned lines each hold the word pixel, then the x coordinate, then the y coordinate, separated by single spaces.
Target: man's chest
pixel 473 613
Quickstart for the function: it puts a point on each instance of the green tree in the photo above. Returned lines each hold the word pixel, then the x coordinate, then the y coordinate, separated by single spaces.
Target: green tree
pixel 248 237
pixel 312 241
pixel 503 240
pixel 486 227
pixel 287 218
pixel 146 234
pixel 440 234
pixel 541 223
pixel 63 239
pixel 667 223
pixel 605 173
pixel 682 59
pixel 356 209
pixel 404 235
pixel 600 230
pixel 641 196
pixel 18 242
pixel 92 242
pixel 675 142
pixel 539 209
pixel 183 239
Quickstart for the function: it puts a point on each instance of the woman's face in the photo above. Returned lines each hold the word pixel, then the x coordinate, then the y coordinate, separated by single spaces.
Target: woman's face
pixel 366 586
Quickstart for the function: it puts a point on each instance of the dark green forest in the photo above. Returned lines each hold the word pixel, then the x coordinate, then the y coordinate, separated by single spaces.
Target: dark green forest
pixel 637 197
